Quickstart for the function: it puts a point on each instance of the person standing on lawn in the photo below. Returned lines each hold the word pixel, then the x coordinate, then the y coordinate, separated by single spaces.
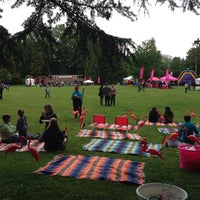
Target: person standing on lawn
pixel 77 100
pixel 101 94
pixel 113 95
pixel 47 91
pixel 107 93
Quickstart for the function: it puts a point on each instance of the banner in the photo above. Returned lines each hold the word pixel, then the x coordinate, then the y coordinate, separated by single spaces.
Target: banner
pixel 141 72
pixel 167 74
pixel 152 74
pixel 98 80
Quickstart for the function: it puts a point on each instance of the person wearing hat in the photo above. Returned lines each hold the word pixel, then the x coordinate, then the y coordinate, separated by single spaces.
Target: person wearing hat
pixel 77 100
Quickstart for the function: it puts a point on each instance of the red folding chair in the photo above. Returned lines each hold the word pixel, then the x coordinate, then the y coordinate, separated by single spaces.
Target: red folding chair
pixel 99 121
pixel 121 123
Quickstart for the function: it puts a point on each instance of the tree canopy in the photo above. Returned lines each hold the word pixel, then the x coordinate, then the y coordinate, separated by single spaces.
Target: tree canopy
pixel 85 11
pixel 80 45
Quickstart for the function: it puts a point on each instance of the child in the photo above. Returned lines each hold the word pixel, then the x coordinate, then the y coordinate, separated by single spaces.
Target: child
pixel 47 92
pixel 22 127
pixel 22 124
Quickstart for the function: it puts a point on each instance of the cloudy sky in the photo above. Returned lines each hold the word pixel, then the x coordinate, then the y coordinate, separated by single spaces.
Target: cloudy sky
pixel 174 32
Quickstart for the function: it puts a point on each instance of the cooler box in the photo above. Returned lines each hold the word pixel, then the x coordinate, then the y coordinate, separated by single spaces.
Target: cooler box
pixel 189 156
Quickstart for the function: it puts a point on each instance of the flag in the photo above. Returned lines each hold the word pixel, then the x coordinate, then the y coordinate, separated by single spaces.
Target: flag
pixel 98 80
pixel 167 74
pixel 141 72
pixel 46 81
pixel 40 81
pixel 152 74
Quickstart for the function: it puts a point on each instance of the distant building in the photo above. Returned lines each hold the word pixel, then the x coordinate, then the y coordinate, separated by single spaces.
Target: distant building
pixel 66 79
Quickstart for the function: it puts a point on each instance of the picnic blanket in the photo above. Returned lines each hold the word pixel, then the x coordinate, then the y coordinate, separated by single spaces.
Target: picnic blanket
pixel 113 126
pixel 94 168
pixel 99 126
pixel 167 130
pixel 120 127
pixel 35 143
pixel 117 146
pixel 108 135
pixel 147 123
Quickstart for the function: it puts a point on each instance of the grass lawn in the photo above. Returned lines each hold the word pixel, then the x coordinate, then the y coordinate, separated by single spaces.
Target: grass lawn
pixel 16 169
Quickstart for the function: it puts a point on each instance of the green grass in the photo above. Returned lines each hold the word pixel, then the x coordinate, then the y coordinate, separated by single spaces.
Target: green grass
pixel 17 180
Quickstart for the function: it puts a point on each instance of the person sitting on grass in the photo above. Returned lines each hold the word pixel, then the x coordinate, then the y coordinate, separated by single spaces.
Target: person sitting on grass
pixel 53 137
pixel 191 129
pixel 168 115
pixel 154 115
pixel 8 130
pixel 47 114
pixel 22 126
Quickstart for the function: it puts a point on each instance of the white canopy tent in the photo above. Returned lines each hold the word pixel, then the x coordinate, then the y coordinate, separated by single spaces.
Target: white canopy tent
pixel 88 82
pixel 29 82
pixel 129 78
pixel 197 81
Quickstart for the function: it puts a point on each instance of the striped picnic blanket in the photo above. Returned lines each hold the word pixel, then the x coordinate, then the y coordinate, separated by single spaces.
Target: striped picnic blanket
pixel 162 124
pixel 113 126
pixel 94 168
pixel 120 127
pixel 35 143
pixel 167 130
pixel 117 146
pixel 108 135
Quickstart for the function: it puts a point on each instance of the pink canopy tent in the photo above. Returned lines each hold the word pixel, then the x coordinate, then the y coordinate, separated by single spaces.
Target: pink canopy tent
pixel 154 79
pixel 170 77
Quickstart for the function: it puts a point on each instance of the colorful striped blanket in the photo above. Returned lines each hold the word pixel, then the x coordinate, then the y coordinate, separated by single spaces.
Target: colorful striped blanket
pixel 95 168
pixel 35 143
pixel 162 124
pixel 132 127
pixel 112 126
pixel 108 135
pixel 167 130
pixel 120 147
pixel 120 127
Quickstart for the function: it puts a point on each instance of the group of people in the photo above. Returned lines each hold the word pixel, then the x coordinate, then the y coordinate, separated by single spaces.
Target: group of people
pixel 192 129
pixel 109 93
pixel 156 116
pixel 53 137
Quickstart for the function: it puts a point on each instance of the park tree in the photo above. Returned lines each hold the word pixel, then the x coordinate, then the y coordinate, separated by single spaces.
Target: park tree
pixel 177 65
pixel 81 14
pixel 7 50
pixel 193 57
pixel 148 56
pixel 5 75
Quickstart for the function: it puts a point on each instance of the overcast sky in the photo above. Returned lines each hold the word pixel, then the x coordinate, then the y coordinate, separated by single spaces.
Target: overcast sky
pixel 174 33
